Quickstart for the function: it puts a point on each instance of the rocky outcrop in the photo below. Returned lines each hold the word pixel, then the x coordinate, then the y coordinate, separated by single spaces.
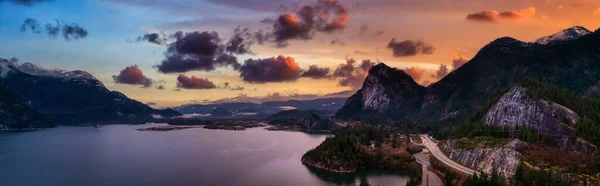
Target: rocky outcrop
pixel 314 122
pixel 387 92
pixel 516 109
pixel 504 160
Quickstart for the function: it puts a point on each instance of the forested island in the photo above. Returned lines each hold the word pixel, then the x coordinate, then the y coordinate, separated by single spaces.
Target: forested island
pixel 365 147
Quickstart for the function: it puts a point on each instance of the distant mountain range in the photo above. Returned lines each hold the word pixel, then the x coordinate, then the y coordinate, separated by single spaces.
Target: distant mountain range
pixel 262 110
pixel 69 97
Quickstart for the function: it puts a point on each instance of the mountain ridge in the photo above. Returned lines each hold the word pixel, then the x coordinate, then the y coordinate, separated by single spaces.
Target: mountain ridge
pixel 72 97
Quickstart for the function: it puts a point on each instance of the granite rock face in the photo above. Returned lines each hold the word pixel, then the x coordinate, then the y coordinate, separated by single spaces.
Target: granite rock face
pixel 504 160
pixel 386 91
pixel 516 109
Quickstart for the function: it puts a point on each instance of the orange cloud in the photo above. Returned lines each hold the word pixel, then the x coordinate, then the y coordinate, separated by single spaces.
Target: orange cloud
pixel 597 11
pixel 458 61
pixel 521 14
pixel 492 16
pixel 415 72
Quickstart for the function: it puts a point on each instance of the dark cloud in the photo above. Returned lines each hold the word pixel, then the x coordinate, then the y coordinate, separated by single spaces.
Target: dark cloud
pixel 202 51
pixel 351 75
pixel 323 16
pixel 151 103
pixel 68 31
pixel 415 72
pixel 26 2
pixel 338 42
pixel 275 69
pixel 484 16
pixel 410 48
pixel 132 75
pixel 316 72
pixel 154 38
pixel 492 16
pixel 345 69
pixel 240 42
pixel 194 82
pixel 366 65
pixel 441 72
pixel 458 61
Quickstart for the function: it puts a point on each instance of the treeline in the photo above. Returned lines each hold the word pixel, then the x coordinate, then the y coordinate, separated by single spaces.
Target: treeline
pixel 363 147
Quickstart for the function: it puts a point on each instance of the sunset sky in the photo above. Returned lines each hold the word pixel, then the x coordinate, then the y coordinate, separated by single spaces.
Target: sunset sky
pixel 428 33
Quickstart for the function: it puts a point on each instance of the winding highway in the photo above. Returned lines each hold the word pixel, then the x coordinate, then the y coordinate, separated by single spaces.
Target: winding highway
pixel 437 153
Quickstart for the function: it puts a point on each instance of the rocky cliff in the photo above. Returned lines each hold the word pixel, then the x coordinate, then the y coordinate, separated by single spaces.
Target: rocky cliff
pixel 502 159
pixel 387 92
pixel 516 109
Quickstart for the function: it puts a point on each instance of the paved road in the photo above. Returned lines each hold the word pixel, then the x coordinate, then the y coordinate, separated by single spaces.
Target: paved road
pixel 437 152
pixel 428 178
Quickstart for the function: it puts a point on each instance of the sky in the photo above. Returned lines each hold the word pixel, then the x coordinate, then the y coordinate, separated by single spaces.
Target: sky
pixel 307 48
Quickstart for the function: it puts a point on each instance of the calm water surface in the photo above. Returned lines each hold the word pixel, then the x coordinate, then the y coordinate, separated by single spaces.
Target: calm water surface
pixel 120 155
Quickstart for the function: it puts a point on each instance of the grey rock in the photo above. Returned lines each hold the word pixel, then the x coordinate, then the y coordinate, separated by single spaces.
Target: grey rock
pixel 504 160
pixel 515 108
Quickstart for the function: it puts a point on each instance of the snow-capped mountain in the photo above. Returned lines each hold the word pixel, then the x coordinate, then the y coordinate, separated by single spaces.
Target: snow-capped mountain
pixel 37 70
pixel 66 97
pixel 76 76
pixel 565 35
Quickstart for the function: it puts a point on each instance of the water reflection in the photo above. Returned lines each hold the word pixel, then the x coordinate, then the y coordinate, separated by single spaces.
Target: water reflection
pixel 375 176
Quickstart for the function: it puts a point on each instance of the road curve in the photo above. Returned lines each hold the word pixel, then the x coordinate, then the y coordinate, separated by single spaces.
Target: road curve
pixel 437 153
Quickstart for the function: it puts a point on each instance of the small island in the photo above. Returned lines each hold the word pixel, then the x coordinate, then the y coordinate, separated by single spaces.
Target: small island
pixel 364 147
pixel 218 124
pixel 166 128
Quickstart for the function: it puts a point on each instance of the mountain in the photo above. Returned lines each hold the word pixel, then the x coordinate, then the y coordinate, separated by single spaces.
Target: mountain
pixel 220 112
pixel 72 97
pixel 565 35
pixel 297 114
pixel 570 65
pixel 386 91
pixel 265 109
pixel 18 115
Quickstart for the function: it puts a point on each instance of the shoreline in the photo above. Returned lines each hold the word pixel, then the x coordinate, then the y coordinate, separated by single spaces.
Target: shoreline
pixel 315 165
